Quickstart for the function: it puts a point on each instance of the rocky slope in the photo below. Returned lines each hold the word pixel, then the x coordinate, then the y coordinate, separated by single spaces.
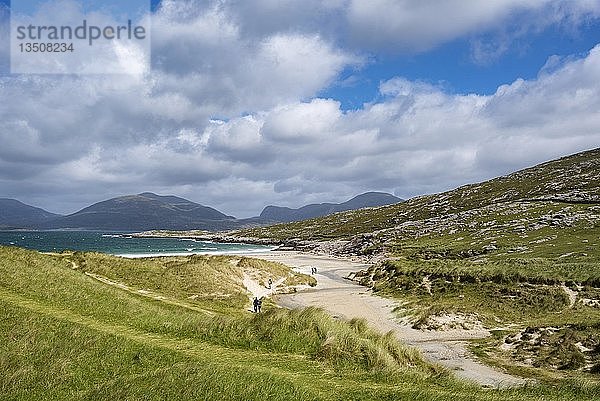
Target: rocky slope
pixel 568 189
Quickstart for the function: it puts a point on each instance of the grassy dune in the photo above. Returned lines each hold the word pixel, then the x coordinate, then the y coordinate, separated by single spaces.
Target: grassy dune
pixel 531 273
pixel 65 334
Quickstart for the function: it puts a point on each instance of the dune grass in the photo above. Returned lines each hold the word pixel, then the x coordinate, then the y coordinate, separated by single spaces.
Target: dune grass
pixel 516 281
pixel 66 335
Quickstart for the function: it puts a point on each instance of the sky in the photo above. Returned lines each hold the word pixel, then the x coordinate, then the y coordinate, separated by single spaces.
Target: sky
pixel 249 103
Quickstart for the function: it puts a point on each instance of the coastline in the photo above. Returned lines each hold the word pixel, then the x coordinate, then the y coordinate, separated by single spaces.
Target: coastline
pixel 249 252
pixel 220 237
pixel 122 244
pixel 344 249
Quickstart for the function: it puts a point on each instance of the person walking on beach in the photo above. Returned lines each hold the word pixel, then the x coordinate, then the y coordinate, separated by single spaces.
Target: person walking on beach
pixel 256 303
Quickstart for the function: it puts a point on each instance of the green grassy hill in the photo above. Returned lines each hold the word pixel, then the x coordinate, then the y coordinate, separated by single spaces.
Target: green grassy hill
pixel 570 180
pixel 94 327
pixel 529 271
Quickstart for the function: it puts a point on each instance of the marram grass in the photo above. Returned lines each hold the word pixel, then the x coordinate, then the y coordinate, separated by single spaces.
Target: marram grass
pixel 67 336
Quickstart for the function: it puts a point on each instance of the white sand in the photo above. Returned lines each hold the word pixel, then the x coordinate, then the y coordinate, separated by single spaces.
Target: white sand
pixel 346 299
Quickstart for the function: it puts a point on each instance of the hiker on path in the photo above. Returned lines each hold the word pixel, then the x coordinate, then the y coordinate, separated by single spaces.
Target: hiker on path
pixel 259 304
pixel 256 304
pixel 270 283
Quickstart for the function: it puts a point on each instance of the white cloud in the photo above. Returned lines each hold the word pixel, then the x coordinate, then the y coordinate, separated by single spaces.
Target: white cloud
pixel 416 26
pixel 420 139
pixel 407 25
pixel 302 122
pixel 417 139
pixel 231 117
pixel 239 140
pixel 204 56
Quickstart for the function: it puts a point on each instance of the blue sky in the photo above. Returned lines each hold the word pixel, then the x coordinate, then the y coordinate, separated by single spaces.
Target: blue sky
pixel 249 103
pixel 452 66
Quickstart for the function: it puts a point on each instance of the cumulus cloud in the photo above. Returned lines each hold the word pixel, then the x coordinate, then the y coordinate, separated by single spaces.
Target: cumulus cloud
pixel 149 127
pixel 203 55
pixel 230 115
pixel 302 122
pixel 263 17
pixel 409 26
pixel 420 139
pixel 418 26
pixel 417 139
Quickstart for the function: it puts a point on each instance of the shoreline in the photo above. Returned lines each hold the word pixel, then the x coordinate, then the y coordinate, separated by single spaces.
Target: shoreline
pixel 178 254
pixel 330 249
pixel 223 238
pixel 124 244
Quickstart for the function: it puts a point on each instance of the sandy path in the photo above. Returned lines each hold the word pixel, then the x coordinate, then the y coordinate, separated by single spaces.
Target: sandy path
pixel 345 299
pixel 258 290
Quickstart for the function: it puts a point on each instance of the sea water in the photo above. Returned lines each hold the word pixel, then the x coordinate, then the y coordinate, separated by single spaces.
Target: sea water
pixel 120 244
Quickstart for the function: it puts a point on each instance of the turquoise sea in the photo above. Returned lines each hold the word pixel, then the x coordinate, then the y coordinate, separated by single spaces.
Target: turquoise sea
pixel 119 244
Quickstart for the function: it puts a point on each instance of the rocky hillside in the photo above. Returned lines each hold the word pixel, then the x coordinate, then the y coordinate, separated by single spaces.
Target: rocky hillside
pixel 568 182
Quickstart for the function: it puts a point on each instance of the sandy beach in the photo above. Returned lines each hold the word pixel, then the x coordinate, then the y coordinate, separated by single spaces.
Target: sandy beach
pixel 346 300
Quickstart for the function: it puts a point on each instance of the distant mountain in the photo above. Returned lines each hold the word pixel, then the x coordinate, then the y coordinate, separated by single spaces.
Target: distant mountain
pixel 145 211
pixel 148 211
pixel 16 214
pixel 286 214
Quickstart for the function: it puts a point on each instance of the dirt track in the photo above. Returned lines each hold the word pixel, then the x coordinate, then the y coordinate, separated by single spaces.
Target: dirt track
pixel 345 299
